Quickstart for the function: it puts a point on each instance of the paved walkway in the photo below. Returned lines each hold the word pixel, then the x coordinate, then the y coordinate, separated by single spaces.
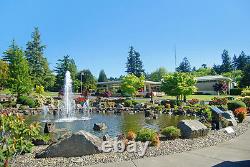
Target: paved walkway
pixel 235 152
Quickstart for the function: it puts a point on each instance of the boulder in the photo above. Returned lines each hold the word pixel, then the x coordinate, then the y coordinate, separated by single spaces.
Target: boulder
pixel 192 128
pixel 229 116
pixel 76 145
pixel 106 137
pixel 120 107
pixel 99 126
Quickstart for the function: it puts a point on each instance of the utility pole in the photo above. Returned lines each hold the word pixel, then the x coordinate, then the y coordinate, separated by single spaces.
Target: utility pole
pixel 175 58
pixel 81 83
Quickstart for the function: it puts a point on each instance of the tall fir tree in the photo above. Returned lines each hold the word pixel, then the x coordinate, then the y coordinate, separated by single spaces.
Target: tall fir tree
pixel 64 65
pixel 102 76
pixel 245 80
pixel 240 62
pixel 134 64
pixel 184 66
pixel 226 65
pixel 19 81
pixel 39 67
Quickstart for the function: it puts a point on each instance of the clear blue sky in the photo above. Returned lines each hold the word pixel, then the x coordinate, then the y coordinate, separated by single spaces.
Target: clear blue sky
pixel 97 33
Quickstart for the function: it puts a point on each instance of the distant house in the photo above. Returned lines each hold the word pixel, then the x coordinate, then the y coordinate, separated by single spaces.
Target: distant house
pixel 149 86
pixel 205 84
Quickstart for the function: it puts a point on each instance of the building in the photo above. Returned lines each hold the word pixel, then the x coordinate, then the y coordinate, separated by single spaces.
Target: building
pixel 149 86
pixel 205 84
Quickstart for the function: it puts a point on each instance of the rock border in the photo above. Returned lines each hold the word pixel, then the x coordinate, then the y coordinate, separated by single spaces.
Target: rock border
pixel 166 147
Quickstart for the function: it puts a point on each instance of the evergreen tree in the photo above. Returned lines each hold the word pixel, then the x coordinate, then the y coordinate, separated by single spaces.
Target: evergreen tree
pixel 39 68
pixel 184 66
pixel 241 61
pixel 245 81
pixel 226 65
pixel 63 65
pixel 19 81
pixel 157 74
pixel 4 70
pixel 102 77
pixel 88 79
pixel 134 64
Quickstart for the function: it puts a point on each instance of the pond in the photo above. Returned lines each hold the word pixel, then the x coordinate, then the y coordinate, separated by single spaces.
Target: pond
pixel 116 123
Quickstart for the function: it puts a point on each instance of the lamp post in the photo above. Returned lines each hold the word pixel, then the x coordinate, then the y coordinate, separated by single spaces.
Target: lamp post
pixel 81 82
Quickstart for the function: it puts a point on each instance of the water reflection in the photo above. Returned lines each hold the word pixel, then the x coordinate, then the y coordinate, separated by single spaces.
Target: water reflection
pixel 117 124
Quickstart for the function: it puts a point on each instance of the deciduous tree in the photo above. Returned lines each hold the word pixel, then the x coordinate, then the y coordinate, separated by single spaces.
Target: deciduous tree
pixel 131 83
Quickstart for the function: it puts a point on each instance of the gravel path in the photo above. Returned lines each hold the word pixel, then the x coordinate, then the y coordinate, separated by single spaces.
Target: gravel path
pixel 166 147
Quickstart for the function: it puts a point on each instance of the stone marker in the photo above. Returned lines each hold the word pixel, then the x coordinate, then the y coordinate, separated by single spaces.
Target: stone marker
pixel 192 128
pixel 229 130
pixel 76 145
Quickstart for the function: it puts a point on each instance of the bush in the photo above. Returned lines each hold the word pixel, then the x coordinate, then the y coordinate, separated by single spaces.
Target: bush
pixel 131 135
pixel 193 101
pixel 240 113
pixel 25 100
pixel 246 100
pixel 218 101
pixel 235 104
pixel 17 137
pixel 128 103
pixel 39 89
pixel 236 91
pixel 146 134
pixel 246 91
pixel 171 132
pixel 1 106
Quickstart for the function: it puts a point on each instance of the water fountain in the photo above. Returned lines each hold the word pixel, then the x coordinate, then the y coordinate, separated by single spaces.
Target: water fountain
pixel 66 110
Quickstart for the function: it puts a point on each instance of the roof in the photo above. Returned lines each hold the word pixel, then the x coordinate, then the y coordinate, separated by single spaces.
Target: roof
pixel 118 82
pixel 213 77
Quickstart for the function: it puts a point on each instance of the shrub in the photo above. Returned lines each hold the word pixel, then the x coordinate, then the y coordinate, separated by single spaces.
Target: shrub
pixel 128 103
pixel 224 122
pixel 246 100
pixel 246 91
pixel 240 113
pixel 232 105
pixel 155 141
pixel 25 100
pixel 168 106
pixel 146 134
pixel 17 136
pixel 1 106
pixel 159 108
pixel 171 132
pixel 236 91
pixel 39 89
pixel 131 135
pixel 193 101
pixel 218 101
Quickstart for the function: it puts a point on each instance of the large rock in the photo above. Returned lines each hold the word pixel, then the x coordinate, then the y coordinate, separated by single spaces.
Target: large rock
pixel 99 126
pixel 49 127
pixel 78 144
pixel 229 116
pixel 192 128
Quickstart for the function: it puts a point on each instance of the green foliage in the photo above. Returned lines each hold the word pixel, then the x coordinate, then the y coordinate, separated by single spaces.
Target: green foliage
pixel 16 136
pixel 203 72
pixel 4 70
pixel 39 89
pixel 157 74
pixel 171 132
pixel 102 77
pixel 236 91
pixel 64 65
pixel 88 80
pixel 131 83
pixel 245 81
pixel 128 103
pixel 38 64
pixel 146 134
pixel 232 105
pixel 236 75
pixel 246 100
pixel 26 100
pixel 134 64
pixel 1 106
pixel 241 61
pixel 19 81
pixel 178 84
pixel 246 91
pixel 184 66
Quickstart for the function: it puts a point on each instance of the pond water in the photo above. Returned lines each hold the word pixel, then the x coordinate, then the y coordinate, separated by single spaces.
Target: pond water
pixel 116 123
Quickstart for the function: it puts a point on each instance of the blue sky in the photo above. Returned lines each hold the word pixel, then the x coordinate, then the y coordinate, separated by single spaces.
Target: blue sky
pixel 98 33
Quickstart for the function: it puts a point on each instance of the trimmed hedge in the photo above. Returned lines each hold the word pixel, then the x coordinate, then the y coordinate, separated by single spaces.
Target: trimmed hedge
pixel 232 105
pixel 236 91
